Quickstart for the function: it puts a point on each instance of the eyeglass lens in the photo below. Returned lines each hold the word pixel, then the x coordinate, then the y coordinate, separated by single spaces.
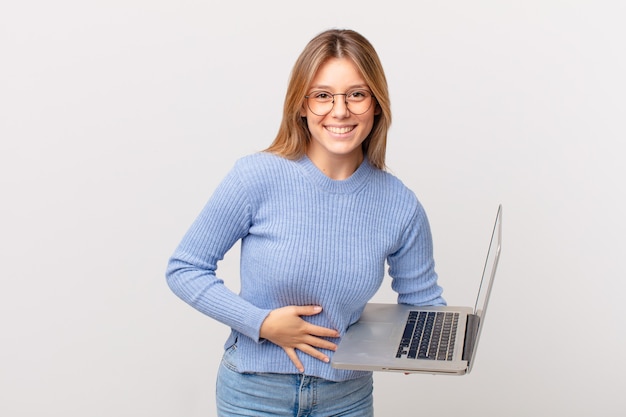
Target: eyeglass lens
pixel 322 102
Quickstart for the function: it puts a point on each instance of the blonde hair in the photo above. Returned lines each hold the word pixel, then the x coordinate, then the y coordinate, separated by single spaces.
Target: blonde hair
pixel 293 134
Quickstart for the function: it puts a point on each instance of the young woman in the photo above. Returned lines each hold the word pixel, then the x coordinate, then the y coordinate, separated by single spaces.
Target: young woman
pixel 318 218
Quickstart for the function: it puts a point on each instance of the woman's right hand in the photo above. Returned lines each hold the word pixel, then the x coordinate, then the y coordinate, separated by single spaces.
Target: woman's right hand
pixel 286 328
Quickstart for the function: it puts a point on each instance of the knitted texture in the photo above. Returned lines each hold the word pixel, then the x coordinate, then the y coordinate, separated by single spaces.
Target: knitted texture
pixel 305 240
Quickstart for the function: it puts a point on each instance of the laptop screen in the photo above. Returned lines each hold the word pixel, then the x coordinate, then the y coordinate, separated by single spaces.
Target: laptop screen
pixel 489 270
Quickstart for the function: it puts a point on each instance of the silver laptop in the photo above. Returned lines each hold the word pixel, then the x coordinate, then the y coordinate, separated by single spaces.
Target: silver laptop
pixel 435 340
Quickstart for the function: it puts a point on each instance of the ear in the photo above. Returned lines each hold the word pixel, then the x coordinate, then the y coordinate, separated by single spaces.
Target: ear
pixel 303 111
pixel 377 110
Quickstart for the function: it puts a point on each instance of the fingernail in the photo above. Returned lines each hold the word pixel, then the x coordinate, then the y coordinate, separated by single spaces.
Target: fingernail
pixel 317 309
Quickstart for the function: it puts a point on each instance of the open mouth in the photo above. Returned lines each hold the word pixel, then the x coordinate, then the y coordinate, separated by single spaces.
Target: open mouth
pixel 340 130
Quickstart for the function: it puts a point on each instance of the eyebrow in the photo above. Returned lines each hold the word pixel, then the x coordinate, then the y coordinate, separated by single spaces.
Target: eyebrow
pixel 329 88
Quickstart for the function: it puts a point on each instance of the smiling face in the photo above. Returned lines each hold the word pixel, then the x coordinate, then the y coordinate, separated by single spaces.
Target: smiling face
pixel 336 138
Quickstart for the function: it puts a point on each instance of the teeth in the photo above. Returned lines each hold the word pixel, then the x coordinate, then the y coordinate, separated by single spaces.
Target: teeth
pixel 339 130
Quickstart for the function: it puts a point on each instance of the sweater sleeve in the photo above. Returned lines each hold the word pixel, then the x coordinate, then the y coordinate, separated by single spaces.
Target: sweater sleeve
pixel 412 266
pixel 191 270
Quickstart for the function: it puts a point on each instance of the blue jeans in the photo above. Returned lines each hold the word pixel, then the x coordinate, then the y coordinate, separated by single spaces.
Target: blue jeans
pixel 292 395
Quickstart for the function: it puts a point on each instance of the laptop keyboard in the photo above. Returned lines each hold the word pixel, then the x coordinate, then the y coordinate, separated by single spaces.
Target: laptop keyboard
pixel 429 335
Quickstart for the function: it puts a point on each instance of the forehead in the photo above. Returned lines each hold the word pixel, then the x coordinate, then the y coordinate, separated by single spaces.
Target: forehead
pixel 338 73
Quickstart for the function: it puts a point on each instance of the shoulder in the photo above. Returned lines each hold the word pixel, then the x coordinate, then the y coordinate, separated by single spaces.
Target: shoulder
pixel 394 188
pixel 264 161
pixel 400 201
pixel 262 171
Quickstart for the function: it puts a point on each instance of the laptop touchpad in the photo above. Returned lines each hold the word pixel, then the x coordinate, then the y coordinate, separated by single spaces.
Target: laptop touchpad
pixel 374 331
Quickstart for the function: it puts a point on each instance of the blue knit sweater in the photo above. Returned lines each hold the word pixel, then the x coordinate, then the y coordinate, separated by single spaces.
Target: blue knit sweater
pixel 305 240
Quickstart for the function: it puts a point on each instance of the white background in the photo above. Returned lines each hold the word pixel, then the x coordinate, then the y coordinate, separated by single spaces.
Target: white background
pixel 119 118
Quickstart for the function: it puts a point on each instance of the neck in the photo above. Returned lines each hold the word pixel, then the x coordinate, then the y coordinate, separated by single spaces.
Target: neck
pixel 337 167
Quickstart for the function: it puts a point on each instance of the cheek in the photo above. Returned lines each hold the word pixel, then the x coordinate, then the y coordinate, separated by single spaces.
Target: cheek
pixel 311 120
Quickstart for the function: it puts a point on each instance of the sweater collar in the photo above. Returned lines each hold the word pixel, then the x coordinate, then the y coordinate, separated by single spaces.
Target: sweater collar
pixel 349 185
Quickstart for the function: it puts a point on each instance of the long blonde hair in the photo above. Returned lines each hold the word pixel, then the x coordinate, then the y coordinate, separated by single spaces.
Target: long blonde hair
pixel 293 134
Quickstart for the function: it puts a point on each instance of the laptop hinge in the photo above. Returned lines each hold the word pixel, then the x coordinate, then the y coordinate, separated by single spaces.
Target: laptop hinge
pixel 471 331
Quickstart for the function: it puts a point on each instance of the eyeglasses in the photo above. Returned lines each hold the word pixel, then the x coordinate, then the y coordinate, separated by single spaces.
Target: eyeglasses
pixel 357 101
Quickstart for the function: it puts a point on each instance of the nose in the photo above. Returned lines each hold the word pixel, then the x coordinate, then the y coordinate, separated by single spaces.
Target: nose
pixel 340 106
